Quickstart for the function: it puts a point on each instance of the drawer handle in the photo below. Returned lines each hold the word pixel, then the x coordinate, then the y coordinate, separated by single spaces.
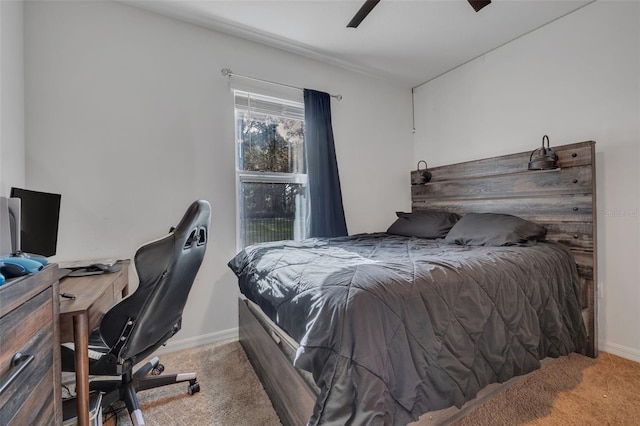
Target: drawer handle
pixel 18 363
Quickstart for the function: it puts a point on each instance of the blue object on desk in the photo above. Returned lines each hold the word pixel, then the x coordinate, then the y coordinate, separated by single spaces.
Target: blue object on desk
pixel 29 265
pixel 40 259
pixel 11 270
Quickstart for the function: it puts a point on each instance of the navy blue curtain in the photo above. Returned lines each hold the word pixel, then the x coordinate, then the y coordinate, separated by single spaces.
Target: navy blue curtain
pixel 326 216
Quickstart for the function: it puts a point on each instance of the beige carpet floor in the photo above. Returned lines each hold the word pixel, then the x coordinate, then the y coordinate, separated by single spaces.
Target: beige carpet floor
pixel 230 394
pixel 572 390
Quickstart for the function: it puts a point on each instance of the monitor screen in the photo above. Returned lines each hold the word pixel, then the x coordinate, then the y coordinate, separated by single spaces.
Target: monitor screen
pixel 39 215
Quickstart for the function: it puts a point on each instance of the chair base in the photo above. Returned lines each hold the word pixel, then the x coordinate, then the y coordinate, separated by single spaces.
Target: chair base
pixel 126 388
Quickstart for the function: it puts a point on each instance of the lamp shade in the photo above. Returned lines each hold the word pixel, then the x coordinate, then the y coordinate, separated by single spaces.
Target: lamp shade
pixel 543 158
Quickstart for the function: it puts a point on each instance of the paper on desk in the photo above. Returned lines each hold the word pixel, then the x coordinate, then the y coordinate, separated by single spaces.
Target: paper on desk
pixel 83 263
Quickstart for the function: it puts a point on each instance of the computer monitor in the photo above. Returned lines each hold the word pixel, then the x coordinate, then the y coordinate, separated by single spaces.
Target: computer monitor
pixel 39 217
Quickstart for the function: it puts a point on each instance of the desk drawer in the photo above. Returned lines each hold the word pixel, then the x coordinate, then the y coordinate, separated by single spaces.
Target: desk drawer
pixel 28 330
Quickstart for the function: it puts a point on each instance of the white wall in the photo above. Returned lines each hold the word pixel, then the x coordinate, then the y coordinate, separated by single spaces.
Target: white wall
pixel 12 162
pixel 129 118
pixel 575 79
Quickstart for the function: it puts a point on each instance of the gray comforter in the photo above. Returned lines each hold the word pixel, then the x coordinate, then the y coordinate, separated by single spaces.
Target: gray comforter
pixel 392 327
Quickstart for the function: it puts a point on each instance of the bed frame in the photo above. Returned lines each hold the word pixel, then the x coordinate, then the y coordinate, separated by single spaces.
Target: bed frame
pixel 563 200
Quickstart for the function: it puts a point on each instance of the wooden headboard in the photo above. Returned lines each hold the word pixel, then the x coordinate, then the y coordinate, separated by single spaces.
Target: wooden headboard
pixel 563 200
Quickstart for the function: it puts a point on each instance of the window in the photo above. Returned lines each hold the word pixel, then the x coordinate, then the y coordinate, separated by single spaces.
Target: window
pixel 270 169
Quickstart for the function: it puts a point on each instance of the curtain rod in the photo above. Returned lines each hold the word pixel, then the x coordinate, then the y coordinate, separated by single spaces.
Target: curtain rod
pixel 228 73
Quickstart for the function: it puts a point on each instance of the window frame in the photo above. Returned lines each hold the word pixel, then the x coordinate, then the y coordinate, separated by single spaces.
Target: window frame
pixel 244 176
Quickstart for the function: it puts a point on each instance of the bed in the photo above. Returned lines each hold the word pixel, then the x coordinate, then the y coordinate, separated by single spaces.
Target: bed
pixel 391 327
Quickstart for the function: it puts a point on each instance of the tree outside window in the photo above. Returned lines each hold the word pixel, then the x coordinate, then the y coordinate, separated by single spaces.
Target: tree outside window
pixel 270 169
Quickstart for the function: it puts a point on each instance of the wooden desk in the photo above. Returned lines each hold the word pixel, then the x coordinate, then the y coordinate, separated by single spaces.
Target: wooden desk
pixel 95 295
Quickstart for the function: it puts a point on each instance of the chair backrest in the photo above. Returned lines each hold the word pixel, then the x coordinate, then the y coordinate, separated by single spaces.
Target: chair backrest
pixel 166 269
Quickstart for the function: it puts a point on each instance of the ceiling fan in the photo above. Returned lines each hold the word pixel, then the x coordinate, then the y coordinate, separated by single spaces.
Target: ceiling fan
pixel 370 4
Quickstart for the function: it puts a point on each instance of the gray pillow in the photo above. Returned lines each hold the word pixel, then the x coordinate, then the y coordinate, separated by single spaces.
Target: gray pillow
pixel 423 224
pixel 494 229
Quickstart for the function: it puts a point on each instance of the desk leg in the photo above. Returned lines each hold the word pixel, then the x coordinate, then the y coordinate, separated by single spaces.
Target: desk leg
pixel 81 340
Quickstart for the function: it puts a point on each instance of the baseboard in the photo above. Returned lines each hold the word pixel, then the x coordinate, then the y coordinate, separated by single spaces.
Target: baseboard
pixel 619 350
pixel 174 345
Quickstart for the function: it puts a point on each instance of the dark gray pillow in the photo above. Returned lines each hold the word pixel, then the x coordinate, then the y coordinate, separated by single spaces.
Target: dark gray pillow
pixel 493 229
pixel 423 224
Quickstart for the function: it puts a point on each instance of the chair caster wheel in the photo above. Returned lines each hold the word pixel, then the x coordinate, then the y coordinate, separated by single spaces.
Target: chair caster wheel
pixel 193 388
pixel 157 370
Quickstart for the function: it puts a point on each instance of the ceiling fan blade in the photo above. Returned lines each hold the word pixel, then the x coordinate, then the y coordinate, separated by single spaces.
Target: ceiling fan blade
pixel 478 4
pixel 362 13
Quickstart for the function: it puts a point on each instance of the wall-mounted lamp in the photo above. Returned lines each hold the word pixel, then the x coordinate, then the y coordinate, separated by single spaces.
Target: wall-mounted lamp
pixel 543 158
pixel 423 176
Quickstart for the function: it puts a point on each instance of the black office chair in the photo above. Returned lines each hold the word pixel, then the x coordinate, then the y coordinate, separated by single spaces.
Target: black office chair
pixel 137 325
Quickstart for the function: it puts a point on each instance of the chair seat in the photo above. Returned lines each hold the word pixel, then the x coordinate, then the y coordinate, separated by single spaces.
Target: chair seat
pixel 92 354
pixel 97 349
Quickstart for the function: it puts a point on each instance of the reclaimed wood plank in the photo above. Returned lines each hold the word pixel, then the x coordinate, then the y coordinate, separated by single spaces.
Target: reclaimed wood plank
pixel 571 155
pixel 569 208
pixel 573 180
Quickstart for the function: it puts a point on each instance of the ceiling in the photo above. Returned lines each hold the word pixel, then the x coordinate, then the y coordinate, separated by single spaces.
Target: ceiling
pixel 406 41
